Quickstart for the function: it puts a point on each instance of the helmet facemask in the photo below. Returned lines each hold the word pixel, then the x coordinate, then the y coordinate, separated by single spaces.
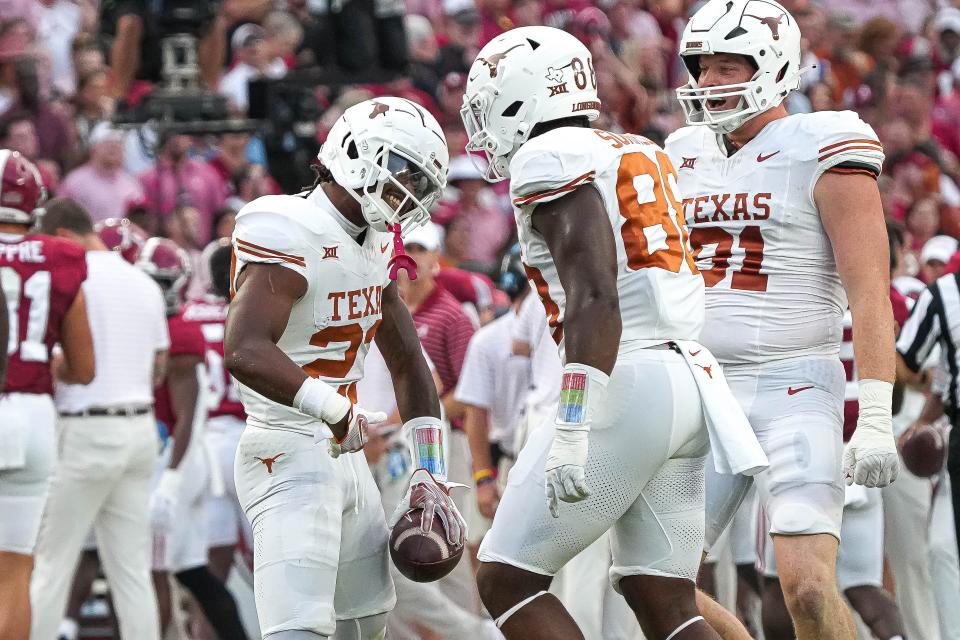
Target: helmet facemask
pixel 396 190
pixel 481 140
pixel 693 101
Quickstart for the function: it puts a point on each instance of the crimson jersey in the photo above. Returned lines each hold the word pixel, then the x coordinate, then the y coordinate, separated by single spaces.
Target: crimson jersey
pixel 223 395
pixel 40 277
pixel 186 339
pixel 851 408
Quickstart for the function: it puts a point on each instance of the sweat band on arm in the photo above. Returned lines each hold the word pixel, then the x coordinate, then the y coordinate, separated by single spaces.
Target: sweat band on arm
pixel 425 435
pixel 875 398
pixel 318 399
pixel 582 389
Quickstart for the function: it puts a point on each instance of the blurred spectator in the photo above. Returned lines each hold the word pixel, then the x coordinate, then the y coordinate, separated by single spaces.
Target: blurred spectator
pixel 422 45
pixel 59 23
pixel 527 13
pixel 463 30
pixel 487 227
pixel 474 291
pixel 18 134
pixel 923 222
pixel 450 98
pixel 101 186
pixel 245 180
pixel 284 35
pixel 443 327
pixel 87 56
pixel 53 136
pixel 878 39
pixel 224 221
pixel 934 258
pixel 177 180
pixel 254 59
pixel 92 103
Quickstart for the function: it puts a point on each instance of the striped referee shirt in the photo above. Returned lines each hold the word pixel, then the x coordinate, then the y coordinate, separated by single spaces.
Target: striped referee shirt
pixel 935 319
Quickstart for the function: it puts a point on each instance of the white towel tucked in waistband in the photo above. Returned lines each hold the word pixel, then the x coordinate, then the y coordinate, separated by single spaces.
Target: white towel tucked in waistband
pixel 735 446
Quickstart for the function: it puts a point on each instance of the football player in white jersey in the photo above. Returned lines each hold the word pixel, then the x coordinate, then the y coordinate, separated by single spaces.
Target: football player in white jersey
pixel 606 249
pixel 311 292
pixel 787 226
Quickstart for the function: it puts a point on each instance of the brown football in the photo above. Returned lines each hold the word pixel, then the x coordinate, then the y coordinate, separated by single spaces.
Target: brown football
pixel 923 451
pixel 422 557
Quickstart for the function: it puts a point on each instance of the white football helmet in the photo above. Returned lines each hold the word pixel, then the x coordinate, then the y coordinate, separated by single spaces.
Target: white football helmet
pixel 391 155
pixel 761 30
pixel 521 78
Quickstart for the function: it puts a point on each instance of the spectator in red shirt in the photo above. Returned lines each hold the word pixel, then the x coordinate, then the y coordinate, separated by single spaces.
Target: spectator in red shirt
pixel 178 180
pixel 485 225
pixel 442 325
pixel 445 331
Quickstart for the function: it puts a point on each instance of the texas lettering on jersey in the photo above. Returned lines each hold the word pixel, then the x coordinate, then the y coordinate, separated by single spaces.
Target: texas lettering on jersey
pixel 331 327
pixel 724 207
pixel 772 285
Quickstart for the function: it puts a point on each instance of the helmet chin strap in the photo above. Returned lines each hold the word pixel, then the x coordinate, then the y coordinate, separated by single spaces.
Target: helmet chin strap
pixel 400 259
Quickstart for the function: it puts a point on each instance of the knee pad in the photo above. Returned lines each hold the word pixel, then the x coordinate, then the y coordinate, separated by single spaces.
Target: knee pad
pixel 368 628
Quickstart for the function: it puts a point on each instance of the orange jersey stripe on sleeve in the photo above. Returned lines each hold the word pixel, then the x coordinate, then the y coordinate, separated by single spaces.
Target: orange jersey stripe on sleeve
pixel 273 252
pixel 570 186
pixel 851 147
pixel 858 141
pixel 283 257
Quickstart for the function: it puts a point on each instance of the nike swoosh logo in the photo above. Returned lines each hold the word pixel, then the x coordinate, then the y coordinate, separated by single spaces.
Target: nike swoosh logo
pixel 761 157
pixel 695 353
pixel 384 247
pixel 791 391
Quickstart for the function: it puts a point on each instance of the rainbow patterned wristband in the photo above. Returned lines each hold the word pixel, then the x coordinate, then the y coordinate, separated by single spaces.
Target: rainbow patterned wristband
pixel 429 450
pixel 573 398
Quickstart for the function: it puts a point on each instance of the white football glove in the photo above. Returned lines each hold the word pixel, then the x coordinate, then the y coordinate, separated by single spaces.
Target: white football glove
pixel 359 423
pixel 434 497
pixel 870 458
pixel 163 501
pixel 582 391
pixel 566 479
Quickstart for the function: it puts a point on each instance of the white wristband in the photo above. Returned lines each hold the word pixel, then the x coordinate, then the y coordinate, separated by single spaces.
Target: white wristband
pixel 425 436
pixel 582 389
pixel 875 398
pixel 318 399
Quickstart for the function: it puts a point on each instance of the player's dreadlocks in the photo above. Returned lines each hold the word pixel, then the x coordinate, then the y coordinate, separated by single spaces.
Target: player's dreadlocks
pixel 321 175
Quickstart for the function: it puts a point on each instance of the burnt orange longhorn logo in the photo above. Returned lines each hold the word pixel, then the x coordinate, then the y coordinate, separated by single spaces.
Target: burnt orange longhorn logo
pixel 379 109
pixel 268 462
pixel 494 61
pixel 773 23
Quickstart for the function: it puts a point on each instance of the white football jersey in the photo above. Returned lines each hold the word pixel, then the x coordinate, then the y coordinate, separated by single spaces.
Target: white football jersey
pixel 661 293
pixel 772 286
pixel 331 326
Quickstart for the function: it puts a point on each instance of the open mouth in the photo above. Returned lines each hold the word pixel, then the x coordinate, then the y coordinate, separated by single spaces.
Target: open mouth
pixel 716 104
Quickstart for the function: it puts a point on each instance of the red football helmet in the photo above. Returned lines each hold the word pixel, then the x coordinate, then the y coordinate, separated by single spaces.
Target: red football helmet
pixel 122 236
pixel 21 188
pixel 169 265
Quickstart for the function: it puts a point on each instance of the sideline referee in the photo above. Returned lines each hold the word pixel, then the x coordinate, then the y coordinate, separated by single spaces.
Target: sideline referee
pixel 935 320
pixel 108 440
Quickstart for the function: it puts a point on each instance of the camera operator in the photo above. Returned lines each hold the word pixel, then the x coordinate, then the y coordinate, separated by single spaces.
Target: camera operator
pixel 133 35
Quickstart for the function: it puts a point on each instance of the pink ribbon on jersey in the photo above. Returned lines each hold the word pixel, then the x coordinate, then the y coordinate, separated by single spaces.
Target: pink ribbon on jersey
pixel 400 259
